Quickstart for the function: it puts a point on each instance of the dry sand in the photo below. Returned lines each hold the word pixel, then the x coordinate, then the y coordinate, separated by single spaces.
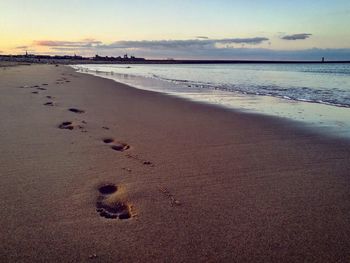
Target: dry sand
pixel 200 183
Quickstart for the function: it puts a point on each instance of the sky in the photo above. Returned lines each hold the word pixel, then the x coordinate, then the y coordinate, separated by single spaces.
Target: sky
pixel 180 29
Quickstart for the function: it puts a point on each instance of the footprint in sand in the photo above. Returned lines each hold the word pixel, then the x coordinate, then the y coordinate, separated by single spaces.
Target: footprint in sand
pixel 110 203
pixel 40 88
pixel 68 125
pixel 35 92
pixel 120 147
pixel 50 103
pixel 76 110
pixel 141 160
pixel 108 140
pixel 116 146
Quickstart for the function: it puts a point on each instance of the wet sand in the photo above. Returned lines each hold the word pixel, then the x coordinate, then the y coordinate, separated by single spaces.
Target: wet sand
pixel 92 170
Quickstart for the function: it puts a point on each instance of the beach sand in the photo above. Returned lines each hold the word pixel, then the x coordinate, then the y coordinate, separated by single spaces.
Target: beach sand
pixel 182 181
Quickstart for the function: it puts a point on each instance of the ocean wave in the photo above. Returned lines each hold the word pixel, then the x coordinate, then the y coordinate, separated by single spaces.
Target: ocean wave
pixel 334 97
pixel 344 71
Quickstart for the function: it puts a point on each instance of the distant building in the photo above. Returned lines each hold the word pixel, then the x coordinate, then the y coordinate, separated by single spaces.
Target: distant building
pixel 66 59
pixel 125 58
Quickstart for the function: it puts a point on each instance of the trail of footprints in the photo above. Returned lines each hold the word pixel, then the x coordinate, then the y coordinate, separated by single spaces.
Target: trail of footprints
pixel 109 203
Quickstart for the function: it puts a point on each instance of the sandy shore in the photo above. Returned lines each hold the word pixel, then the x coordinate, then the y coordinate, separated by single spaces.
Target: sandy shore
pixel 183 182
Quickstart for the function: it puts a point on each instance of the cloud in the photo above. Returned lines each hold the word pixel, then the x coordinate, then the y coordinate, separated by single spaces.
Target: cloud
pixel 202 37
pixel 184 44
pixel 203 43
pixel 300 36
pixel 76 44
pixel 22 47
pixel 227 48
pixel 252 41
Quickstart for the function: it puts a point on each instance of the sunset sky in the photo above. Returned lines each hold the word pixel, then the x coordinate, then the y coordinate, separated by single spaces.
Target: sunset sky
pixel 220 29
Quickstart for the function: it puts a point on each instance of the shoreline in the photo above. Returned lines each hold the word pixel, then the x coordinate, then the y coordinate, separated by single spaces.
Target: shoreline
pixel 201 183
pixel 311 115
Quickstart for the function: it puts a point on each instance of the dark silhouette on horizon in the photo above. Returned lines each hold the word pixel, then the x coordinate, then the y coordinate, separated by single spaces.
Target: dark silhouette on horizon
pixel 69 59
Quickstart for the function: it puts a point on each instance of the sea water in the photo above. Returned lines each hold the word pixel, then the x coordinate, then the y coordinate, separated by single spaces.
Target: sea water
pixel 317 95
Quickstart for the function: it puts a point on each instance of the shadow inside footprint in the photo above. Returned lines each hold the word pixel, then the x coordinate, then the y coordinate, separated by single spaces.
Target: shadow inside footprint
pixel 120 147
pixel 108 189
pixel 108 140
pixel 50 103
pixel 108 204
pixel 76 110
pixel 66 125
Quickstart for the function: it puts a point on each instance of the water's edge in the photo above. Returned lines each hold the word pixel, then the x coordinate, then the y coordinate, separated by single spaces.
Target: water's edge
pixel 328 119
